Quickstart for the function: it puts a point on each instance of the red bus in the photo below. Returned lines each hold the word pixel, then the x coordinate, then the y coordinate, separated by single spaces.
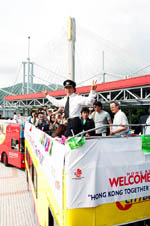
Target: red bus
pixel 12 143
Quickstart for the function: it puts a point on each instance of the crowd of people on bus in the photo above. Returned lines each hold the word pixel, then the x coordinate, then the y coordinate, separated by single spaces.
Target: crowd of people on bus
pixel 72 115
pixel 53 121
pixel 96 123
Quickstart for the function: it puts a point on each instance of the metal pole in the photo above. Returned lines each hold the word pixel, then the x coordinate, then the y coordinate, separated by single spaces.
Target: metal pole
pixel 4 109
pixel 31 75
pixel 28 49
pixel 71 48
pixel 103 67
pixel 28 80
pixel 24 74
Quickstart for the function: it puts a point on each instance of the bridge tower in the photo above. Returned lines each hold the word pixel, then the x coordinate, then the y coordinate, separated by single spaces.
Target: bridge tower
pixel 28 73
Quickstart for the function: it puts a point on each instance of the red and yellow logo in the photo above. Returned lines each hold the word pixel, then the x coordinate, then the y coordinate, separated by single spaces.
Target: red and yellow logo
pixel 127 204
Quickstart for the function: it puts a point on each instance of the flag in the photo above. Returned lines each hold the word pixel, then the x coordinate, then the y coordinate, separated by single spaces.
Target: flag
pixel 76 142
pixel 146 143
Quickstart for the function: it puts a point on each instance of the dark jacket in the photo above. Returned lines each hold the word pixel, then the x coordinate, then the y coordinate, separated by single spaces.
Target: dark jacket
pixel 89 124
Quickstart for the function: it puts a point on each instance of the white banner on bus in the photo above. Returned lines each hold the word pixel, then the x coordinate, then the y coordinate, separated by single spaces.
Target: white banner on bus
pixel 106 170
pixel 50 156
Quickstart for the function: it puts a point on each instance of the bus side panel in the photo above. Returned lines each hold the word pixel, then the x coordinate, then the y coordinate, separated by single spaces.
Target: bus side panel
pixel 80 217
pixel 33 199
pixel 29 173
pixel 43 197
pixel 109 214
pixel 119 213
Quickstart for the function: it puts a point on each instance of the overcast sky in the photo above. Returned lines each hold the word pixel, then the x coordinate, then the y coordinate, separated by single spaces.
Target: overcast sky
pixel 119 27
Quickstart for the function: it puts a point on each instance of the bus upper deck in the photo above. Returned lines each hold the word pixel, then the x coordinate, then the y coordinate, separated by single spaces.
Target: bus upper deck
pixel 92 182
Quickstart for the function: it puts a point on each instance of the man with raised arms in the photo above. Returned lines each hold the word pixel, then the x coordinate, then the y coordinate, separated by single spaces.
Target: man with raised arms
pixel 72 104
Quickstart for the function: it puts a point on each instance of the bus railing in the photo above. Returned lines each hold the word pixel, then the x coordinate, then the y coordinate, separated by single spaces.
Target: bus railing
pixel 108 126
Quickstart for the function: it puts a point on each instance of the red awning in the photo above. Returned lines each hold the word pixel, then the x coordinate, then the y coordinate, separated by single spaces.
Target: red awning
pixel 108 86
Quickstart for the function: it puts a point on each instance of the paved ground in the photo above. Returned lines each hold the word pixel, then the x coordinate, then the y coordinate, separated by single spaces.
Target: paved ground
pixel 15 202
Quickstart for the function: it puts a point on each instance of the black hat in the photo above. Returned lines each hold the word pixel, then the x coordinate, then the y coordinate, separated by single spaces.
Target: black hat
pixel 69 83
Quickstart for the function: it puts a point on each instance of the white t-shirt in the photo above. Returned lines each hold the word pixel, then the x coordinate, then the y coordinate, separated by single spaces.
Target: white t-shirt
pixel 120 119
pixel 100 118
